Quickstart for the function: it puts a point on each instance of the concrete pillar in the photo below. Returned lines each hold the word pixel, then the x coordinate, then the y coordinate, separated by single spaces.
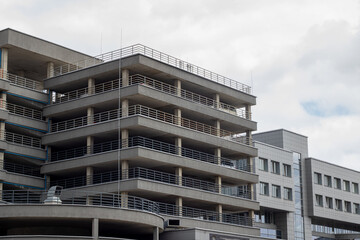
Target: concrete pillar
pixel 179 205
pixel 95 228
pixel 178 145
pixel 250 163
pixel 250 189
pixel 248 137
pixel 1 188
pixel 124 138
pixel 89 144
pixel 218 182
pixel 217 153
pixel 48 179
pixel 3 100
pixel 219 211
pixel 248 112
pixel 124 169
pixel 90 115
pixel 217 126
pixel 89 175
pixel 2 130
pixel 156 233
pixel 4 60
pixel 48 152
pixel 1 160
pixel 251 214
pixel 124 199
pixel 216 100
pixel 50 70
pixel 125 77
pixel 178 173
pixel 177 113
pixel 177 84
pixel 91 86
pixel 125 108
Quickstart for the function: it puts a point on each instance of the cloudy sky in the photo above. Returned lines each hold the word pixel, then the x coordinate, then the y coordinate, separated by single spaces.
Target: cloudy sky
pixel 303 55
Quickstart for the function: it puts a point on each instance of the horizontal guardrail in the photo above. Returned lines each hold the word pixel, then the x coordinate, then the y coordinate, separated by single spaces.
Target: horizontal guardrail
pixel 22 169
pixel 153 175
pixel 151 113
pixel 21 139
pixel 138 141
pixel 21 81
pixel 24 111
pixel 156 55
pixel 152 83
pixel 101 199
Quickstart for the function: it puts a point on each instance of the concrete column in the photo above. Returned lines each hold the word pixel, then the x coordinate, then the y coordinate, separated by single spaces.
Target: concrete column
pixel 217 126
pixel 48 152
pixel 250 163
pixel 179 205
pixel 251 214
pixel 1 160
pixel 91 86
pixel 125 77
pixel 125 108
pixel 178 145
pixel 249 137
pixel 248 112
pixel 124 169
pixel 48 179
pixel 178 173
pixel 250 189
pixel 217 153
pixel 219 211
pixel 50 70
pixel 177 84
pixel 124 138
pixel 95 228
pixel 2 130
pixel 90 115
pixel 89 144
pixel 216 100
pixel 124 199
pixel 4 60
pixel 177 113
pixel 156 233
pixel 218 182
pixel 1 188
pixel 89 175
pixel 3 100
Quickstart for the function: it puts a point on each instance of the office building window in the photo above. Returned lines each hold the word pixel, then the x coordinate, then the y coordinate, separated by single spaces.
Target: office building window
pixel 356 208
pixel 327 181
pixel 264 188
pixel 319 200
pixel 275 167
pixel 317 178
pixel 287 193
pixel 263 164
pixel 338 204
pixel 276 192
pixel 329 202
pixel 355 188
pixel 287 170
pixel 347 206
pixel 337 183
pixel 346 186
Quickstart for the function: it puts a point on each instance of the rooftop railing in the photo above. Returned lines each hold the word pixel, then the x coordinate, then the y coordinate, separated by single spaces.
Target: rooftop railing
pixel 22 169
pixel 156 55
pixel 24 111
pixel 151 113
pixel 21 139
pixel 139 141
pixel 153 175
pixel 21 81
pixel 155 84
pixel 101 199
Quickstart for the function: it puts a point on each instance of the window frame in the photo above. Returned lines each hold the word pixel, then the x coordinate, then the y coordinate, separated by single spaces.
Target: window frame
pixel 347 207
pixel 353 184
pixel 288 194
pixel 317 178
pixel 288 172
pixel 319 201
pixel 327 181
pixel 347 186
pixel 277 164
pixel 277 191
pixel 337 184
pixel 266 185
pixel 329 204
pixel 264 160
pixel 338 205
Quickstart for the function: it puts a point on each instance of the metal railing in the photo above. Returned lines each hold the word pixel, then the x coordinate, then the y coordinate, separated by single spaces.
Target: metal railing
pixel 139 141
pixel 22 169
pixel 153 175
pixel 21 139
pixel 24 111
pixel 156 55
pixel 200 214
pixel 151 113
pixel 101 199
pixel 21 81
pixel 152 83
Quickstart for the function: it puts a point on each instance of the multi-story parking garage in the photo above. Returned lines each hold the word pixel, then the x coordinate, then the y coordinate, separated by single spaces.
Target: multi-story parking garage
pixel 142 143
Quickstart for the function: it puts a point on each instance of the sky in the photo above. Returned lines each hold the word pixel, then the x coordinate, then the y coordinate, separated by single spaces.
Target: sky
pixel 302 57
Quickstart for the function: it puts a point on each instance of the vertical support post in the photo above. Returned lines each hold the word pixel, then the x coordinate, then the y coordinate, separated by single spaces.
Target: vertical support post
pixel 50 70
pixel 124 138
pixel 177 84
pixel 217 153
pixel 124 108
pixel 124 169
pixel 89 144
pixel 3 100
pixel 156 233
pixel 251 216
pixel 2 130
pixel 91 86
pixel 219 211
pixel 90 115
pixel 89 175
pixel 218 182
pixel 216 100
pixel 124 199
pixel 217 126
pixel 178 145
pixel 177 113
pixel 178 173
pixel 1 189
pixel 48 148
pixel 48 179
pixel 2 160
pixel 95 228
pixel 125 77
pixel 4 62
pixel 179 205
pixel 248 112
